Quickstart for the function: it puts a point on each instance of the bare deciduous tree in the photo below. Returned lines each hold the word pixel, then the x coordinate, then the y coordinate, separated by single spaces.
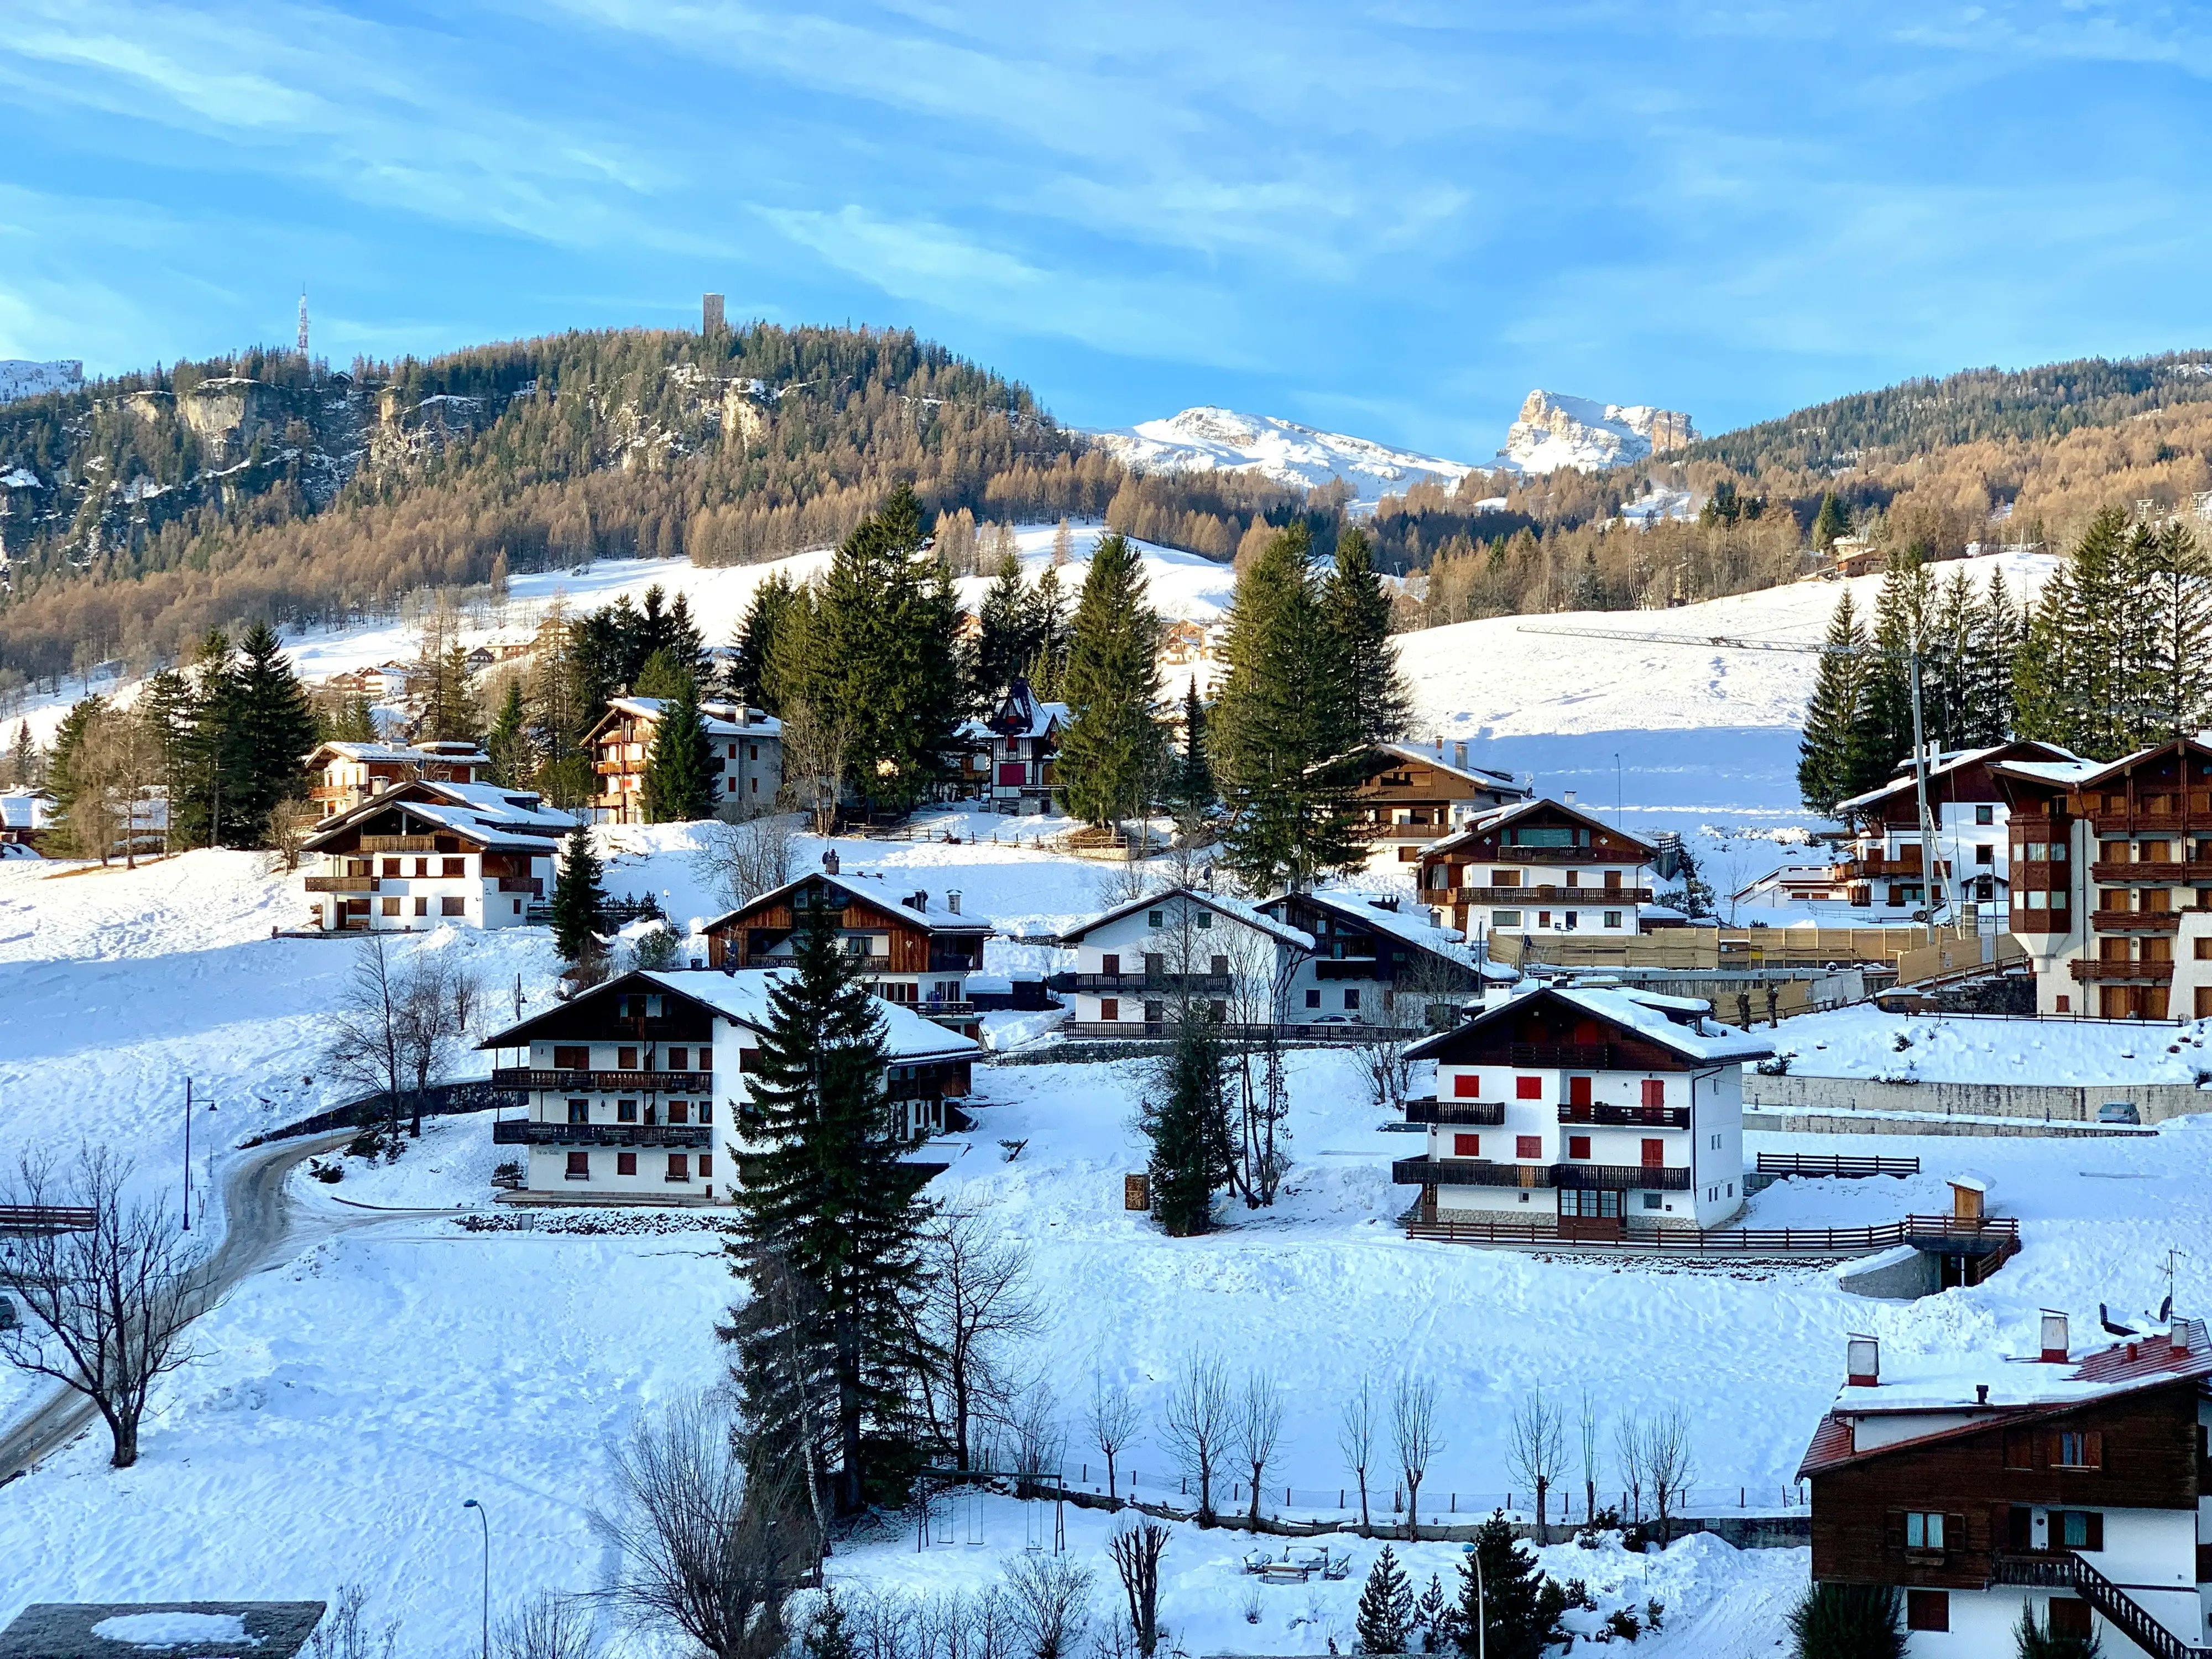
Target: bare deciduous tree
pixel 739 860
pixel 814 745
pixel 977 1304
pixel 1039 1436
pixel 1052 1601
pixel 1384 1063
pixel 1136 1550
pixel 1668 1467
pixel 346 1633
pixel 1413 1434
pixel 108 1303
pixel 397 1025
pixel 1537 1449
pixel 1259 1426
pixel 1355 1438
pixel 1111 1416
pixel 1628 1458
pixel 1587 1424
pixel 700 1552
pixel 1198 1413
pixel 549 1627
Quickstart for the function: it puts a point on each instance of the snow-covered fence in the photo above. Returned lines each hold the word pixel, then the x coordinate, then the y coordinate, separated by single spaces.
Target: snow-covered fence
pixel 439 1100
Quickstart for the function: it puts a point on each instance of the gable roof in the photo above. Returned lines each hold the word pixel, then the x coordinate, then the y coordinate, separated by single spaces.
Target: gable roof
pixel 1020 714
pixel 1683 1026
pixel 2025 750
pixel 463 754
pixel 1481 777
pixel 872 889
pixel 2093 772
pixel 1236 909
pixel 719 719
pixel 1365 909
pixel 508 819
pixel 743 999
pixel 1503 817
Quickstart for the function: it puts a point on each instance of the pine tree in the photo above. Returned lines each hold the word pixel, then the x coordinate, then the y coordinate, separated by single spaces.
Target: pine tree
pixel 2180 661
pixel 204 811
pixel 830 1218
pixel 23 768
pixel 272 730
pixel 770 608
pixel 1384 1622
pixel 1848 1621
pixel 664 675
pixel 679 776
pixel 1434 1617
pixel 1285 728
pixel 1004 642
pixel 1190 783
pixel 577 897
pixel 1501 1599
pixel 1188 1127
pixel 1901 628
pixel 1109 754
pixel 1831 762
pixel 1358 614
pixel 1997 645
pixel 512 754
pixel 1832 520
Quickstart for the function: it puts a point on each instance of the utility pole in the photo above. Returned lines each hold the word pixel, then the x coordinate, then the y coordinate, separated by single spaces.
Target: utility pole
pixel 1928 874
pixel 188 1155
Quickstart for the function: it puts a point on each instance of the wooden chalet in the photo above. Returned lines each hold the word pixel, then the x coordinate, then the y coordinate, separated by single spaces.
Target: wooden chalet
pixel 914 953
pixel 1538 866
pixel 2066 1484
pixel 1884 869
pixel 422 854
pixel 1376 960
pixel 1409 798
pixel 744 765
pixel 351 773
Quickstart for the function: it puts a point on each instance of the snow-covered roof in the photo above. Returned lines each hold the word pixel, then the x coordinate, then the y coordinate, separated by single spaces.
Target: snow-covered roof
pixel 1408 922
pixel 1482 777
pixel 2050 771
pixel 2061 770
pixel 1220 903
pixel 743 997
pixel 721 720
pixel 511 820
pixel 398 751
pixel 874 890
pixel 2094 771
pixel 1500 818
pixel 1682 1024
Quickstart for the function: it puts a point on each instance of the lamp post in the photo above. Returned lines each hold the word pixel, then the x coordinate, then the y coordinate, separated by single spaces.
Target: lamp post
pixel 471 1503
pixel 188 1155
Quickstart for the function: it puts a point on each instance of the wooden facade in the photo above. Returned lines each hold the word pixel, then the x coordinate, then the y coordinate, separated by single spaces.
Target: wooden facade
pixel 1536 867
pixel 1407 798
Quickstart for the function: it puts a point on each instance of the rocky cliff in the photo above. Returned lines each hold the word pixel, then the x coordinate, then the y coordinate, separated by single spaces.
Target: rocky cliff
pixel 1555 431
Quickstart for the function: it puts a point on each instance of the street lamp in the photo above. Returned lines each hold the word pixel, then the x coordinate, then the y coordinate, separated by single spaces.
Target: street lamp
pixel 471 1503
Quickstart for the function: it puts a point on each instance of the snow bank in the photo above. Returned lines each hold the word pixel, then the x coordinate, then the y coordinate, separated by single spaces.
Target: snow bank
pixel 1863 1041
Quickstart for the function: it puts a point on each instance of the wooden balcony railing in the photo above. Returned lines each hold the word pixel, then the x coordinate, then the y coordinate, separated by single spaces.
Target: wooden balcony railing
pixel 520 1131
pixel 1573 1056
pixel 2136 922
pixel 1140 984
pixel 530 885
pixel 1833 1163
pixel 2166 872
pixel 1547 895
pixel 20 1220
pixel 2117 824
pixel 398 843
pixel 1481 1172
pixel 340 884
pixel 604 1083
pixel 1491 1112
pixel 2089 970
pixel 1657 1117
pixel 2063 1569
pixel 1329 1032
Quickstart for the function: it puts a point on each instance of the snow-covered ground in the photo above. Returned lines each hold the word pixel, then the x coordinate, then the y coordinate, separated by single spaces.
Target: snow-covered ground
pixel 1864 1041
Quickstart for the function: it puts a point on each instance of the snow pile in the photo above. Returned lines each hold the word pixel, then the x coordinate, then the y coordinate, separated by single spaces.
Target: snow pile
pixel 1209 440
pixel 1556 431
pixel 21 378
pixel 174 1630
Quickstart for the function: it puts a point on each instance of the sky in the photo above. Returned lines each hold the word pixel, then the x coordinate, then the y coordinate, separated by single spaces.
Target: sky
pixel 1391 220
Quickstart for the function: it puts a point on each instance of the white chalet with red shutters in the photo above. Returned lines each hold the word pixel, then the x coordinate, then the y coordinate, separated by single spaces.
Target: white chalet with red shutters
pixel 1582 1112
pixel 422 854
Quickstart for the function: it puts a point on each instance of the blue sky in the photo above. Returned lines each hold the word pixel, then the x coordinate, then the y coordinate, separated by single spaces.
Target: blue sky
pixel 1393 221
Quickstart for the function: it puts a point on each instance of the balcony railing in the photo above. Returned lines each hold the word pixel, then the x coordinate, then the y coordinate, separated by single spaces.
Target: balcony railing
pixel 2063 1569
pixel 605 1083
pixel 530 885
pixel 1349 1031
pixel 1491 1112
pixel 1657 1117
pixel 2136 922
pixel 2167 872
pixel 2117 824
pixel 1138 984
pixel 520 1131
pixel 1622 1177
pixel 1547 895
pixel 341 884
pixel 1573 1056
pixel 398 843
pixel 2089 970
pixel 1481 1172
pixel 1403 831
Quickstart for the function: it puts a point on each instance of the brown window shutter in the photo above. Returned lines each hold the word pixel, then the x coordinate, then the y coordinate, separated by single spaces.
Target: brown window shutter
pixel 2095 1523
pixel 1894 1532
pixel 1955 1534
pixel 2094 1449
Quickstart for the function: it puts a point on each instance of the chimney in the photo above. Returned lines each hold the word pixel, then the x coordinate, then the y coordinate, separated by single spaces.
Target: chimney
pixel 1459 756
pixel 952 901
pixel 2054 1338
pixel 1981 1394
pixel 1863 1367
pixel 829 862
pixel 919 902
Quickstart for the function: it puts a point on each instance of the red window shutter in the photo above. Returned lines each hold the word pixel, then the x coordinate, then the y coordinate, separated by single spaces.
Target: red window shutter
pixel 1109 1008
pixel 1467 1085
pixel 625 1162
pixel 748 1060
pixel 1579 1145
pixel 1655 1153
pixel 1926 1610
pixel 1527 1145
pixel 1578 1092
pixel 1527 1088
pixel 1466 1145
pixel 1655 1092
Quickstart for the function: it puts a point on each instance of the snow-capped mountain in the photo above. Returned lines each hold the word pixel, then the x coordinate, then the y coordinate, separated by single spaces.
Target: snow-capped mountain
pixel 21 378
pixel 1207 440
pixel 1556 431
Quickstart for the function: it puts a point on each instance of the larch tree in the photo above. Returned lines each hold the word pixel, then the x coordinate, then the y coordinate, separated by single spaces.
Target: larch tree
pixel 1110 755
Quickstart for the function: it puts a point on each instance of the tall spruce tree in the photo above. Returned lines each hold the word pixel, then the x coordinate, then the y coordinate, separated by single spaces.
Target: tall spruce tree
pixel 1187 1120
pixel 1831 522
pixel 1902 617
pixel 1832 761
pixel 829 1221
pixel 1384 1622
pixel 1190 782
pixel 1005 639
pixel 2086 676
pixel 884 659
pixel 1286 726
pixel 751 677
pixel 450 711
pixel 679 767
pixel 214 776
pixel 2178 680
pixel 273 727
pixel 1358 613
pixel 1111 753
pixel 577 897
pixel 512 752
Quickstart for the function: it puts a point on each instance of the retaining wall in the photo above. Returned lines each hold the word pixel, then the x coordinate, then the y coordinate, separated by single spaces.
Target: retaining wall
pixel 1770 1122
pixel 2057 1102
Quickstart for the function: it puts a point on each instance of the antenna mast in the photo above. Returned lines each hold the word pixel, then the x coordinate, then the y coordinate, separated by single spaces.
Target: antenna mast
pixel 303 319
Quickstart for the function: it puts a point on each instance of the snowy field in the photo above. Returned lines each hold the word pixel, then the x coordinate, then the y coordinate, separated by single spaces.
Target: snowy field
pixel 1864 1041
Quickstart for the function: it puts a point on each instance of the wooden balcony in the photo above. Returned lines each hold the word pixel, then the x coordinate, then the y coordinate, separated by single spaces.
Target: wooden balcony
pixel 341 884
pixel 1490 1112
pixel 1548 895
pixel 1402 831
pixel 398 843
pixel 2165 872
pixel 2136 922
pixel 520 1131
pixel 1584 1177
pixel 1571 1056
pixel 2088 970
pixel 2118 824
pixel 530 885
pixel 1655 1117
pixel 1143 984
pixel 1622 1177
pixel 603 1083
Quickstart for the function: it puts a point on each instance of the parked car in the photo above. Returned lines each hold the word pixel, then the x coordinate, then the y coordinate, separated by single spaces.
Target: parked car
pixel 2119 1111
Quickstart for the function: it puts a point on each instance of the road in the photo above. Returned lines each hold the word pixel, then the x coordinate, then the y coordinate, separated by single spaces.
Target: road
pixel 263 1230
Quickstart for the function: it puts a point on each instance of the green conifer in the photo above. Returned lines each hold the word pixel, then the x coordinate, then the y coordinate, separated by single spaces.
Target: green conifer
pixel 1190 784
pixel 1358 614
pixel 1111 752
pixel 679 767
pixel 1187 1124
pixel 1005 642
pixel 1831 764
pixel 577 898
pixel 1385 1621
pixel 512 754
pixel 771 606
pixel 1832 520
pixel 272 730
pixel 1499 1597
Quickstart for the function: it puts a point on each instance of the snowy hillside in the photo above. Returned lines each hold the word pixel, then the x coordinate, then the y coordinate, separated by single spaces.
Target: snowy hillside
pixel 1555 431
pixel 1208 440
pixel 21 377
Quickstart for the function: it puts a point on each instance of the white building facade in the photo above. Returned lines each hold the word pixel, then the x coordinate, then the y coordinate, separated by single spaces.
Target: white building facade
pixel 1135 965
pixel 421 855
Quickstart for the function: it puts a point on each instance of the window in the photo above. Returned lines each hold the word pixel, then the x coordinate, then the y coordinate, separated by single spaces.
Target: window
pixel 2069 1616
pixel 706 1165
pixel 1527 1088
pixel 1466 1145
pixel 1313 999
pixel 679 1111
pixel 422 866
pixel 679 1166
pixel 453 905
pixel 1543 918
pixel 1527 1145
pixel 748 1060
pixel 2018 1452
pixel 1109 1007
pixel 679 1059
pixel 390 866
pixel 1579 1145
pixel 579 1111
pixel 1110 964
pixel 1985 815
pixel 1929 1609
pixel 625 1111
pixel 1219 967
pixel 706 1060
pixel 579 1167
pixel 455 866
pixel 1651 1201
pixel 1505 877
pixel 706 1111
pixel 1612 918
pixel 1655 1153
pixel 1467 1085
pixel 1205 919
pixel 1986 854
pixel 1154 919
pixel 1351 998
pixel 422 906
pixel 2078 1529
pixel 1578 1092
pixel 1655 1092
pixel 1505 919
pixel 1923 1530
pixel 567 1058
pixel 2080 1449
pixel 1218 1008
pixel 626 1163
pixel 392 906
